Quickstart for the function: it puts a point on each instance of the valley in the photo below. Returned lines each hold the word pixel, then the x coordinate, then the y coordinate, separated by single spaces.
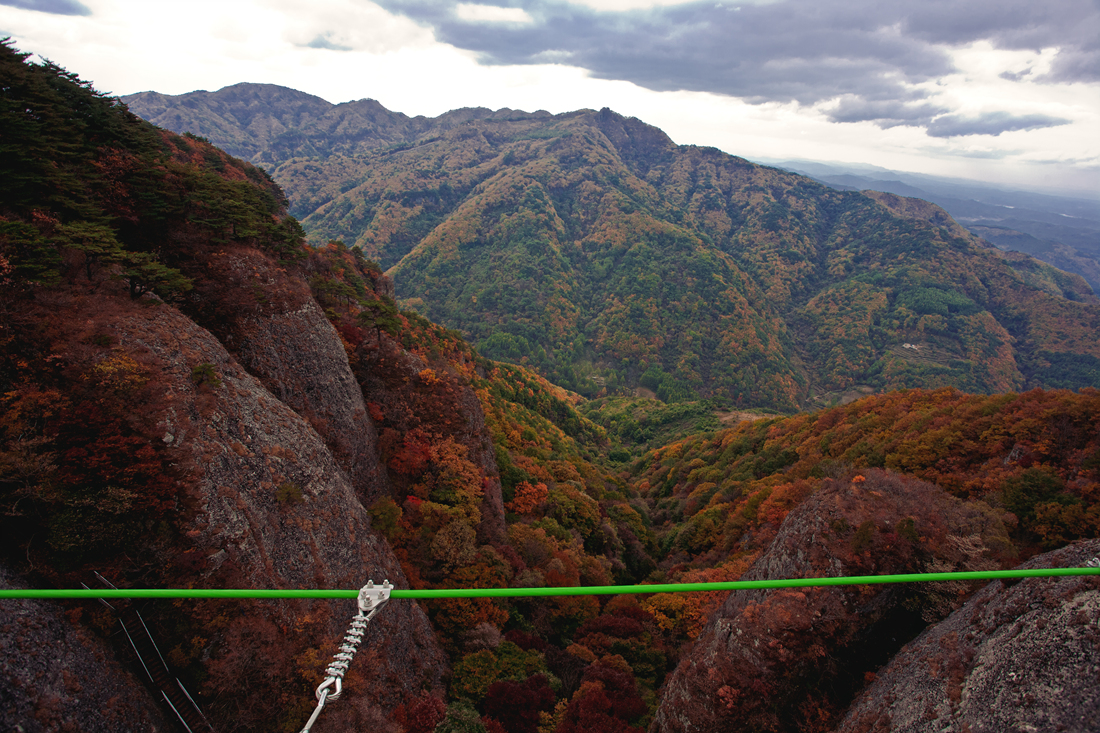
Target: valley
pixel 522 350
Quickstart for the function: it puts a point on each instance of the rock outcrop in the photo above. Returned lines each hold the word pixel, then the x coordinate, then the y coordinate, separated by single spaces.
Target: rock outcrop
pixel 272 508
pixel 78 684
pixel 1019 656
pixel 287 343
pixel 791 659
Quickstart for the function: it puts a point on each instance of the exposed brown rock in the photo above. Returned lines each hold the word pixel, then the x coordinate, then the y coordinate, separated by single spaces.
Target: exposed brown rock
pixel 288 344
pixel 786 660
pixel 274 509
pixel 1023 656
pixel 57 676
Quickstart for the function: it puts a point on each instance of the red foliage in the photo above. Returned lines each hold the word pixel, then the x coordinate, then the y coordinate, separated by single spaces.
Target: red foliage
pixel 620 688
pixel 411 457
pixel 516 705
pixel 420 715
pixel 492 726
pixel 618 626
pixel 351 333
pixel 101 451
pixel 588 712
pixel 526 641
pixel 628 607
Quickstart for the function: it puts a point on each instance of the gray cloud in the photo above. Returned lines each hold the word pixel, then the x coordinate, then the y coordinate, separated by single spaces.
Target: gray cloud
pixel 322 41
pixel 1072 26
pixel 887 113
pixel 57 7
pixel 992 123
pixel 867 53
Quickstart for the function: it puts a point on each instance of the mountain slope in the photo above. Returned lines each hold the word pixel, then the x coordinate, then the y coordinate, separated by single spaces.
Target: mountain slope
pixel 593 248
pixel 596 249
pixel 1064 232
pixel 134 444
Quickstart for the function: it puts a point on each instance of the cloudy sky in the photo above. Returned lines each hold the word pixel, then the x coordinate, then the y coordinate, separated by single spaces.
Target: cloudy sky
pixel 1005 91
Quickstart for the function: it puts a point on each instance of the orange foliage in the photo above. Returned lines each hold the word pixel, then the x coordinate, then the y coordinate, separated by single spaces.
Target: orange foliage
pixel 528 497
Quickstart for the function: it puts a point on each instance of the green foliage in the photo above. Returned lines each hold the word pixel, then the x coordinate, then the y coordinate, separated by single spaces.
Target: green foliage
pixel 380 315
pixel 1062 370
pixel 145 273
pixel 289 492
pixel 1035 486
pixel 639 423
pixel 936 301
pixel 475 672
pixel 204 374
pixel 863 537
pixel 505 346
pixel 95 241
pixel 460 718
pixel 86 183
pixel 385 516
pixel 32 257
pixel 573 509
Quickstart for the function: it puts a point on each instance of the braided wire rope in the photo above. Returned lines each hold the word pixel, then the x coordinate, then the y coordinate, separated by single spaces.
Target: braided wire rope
pixel 593 590
pixel 371 598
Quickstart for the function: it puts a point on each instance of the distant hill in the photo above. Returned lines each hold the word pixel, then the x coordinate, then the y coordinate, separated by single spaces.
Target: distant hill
pixel 1059 230
pixel 268 124
pixel 590 246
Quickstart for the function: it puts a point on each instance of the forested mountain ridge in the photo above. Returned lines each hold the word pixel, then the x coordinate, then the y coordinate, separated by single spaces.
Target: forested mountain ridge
pixel 268 124
pixel 1063 231
pixel 591 247
pixel 190 396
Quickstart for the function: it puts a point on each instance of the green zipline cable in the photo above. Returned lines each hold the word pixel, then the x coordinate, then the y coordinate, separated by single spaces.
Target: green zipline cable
pixel 595 590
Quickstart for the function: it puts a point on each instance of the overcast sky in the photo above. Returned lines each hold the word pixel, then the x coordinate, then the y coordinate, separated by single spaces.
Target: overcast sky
pixel 1005 91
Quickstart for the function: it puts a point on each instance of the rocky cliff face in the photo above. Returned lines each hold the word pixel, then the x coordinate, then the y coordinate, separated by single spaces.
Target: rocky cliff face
pixel 279 334
pixel 792 659
pixel 1021 656
pixel 251 494
pixel 78 684
pixel 271 507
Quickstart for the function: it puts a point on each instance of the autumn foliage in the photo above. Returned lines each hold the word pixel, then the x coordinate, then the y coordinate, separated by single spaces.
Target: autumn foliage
pixel 488 474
